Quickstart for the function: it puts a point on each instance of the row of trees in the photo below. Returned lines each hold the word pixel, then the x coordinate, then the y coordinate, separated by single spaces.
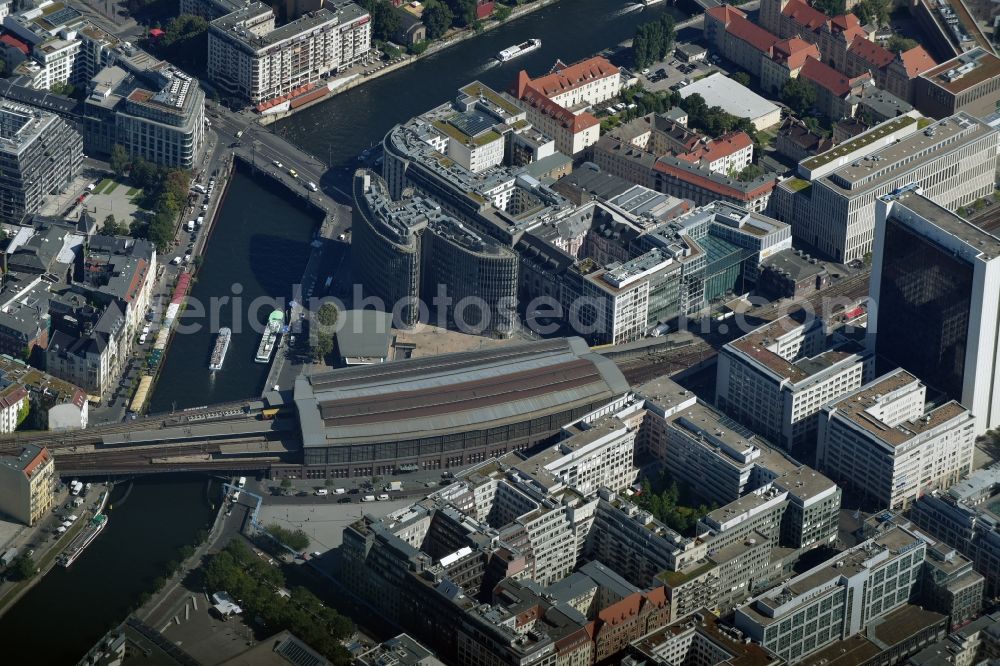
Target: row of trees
pixel 164 192
pixel 653 40
pixel 672 504
pixel 254 584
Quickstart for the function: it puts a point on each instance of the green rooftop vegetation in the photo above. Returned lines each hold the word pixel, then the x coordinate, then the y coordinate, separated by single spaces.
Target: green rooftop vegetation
pixel 479 90
pixel 676 578
pixel 859 142
pixel 459 135
pixel 924 122
pixel 797 184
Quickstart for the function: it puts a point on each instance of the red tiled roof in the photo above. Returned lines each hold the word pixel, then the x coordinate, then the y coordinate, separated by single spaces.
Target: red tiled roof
pixel 576 123
pixel 725 145
pixel 40 459
pixel 804 15
pixel 712 186
pixel 845 22
pixel 871 52
pixel 793 52
pixel 724 13
pixel 827 77
pixel 14 42
pixel 574 76
pixel 917 61
pixel 752 34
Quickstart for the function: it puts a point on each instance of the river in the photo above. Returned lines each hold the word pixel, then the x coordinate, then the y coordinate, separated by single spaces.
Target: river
pixel 338 130
pixel 65 614
pixel 258 250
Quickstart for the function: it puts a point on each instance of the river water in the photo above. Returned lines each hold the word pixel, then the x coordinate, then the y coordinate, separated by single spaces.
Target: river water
pixel 338 130
pixel 261 242
pixel 68 610
pixel 258 250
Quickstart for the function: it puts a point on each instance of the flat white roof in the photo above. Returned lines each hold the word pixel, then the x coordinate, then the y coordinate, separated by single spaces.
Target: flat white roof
pixel 720 90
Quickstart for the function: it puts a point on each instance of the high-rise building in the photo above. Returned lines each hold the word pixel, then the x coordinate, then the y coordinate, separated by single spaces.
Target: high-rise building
pixel 27 484
pixel 40 154
pixel 935 310
pixel 953 159
pixel 885 444
pixel 410 251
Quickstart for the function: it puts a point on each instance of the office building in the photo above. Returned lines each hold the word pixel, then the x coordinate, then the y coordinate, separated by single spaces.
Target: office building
pixel 953 160
pixel 27 484
pixel 776 379
pixel 410 252
pixel 935 313
pixel 885 444
pixel 837 599
pixel 965 517
pixel 977 641
pixel 969 82
pixel 403 650
pixel 158 116
pixel 250 58
pixel 40 154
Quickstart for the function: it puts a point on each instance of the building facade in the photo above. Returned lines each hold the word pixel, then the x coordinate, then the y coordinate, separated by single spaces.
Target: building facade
pixel 27 484
pixel 884 444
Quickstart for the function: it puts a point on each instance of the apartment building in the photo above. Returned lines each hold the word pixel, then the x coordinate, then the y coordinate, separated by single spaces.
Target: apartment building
pixel 836 94
pixel 969 82
pixel 737 38
pixel 558 102
pixel 953 160
pixel 697 638
pixel 158 116
pixel 40 154
pixel 838 598
pixel 776 379
pixel 249 57
pixel 882 441
pixel 27 484
pixel 935 314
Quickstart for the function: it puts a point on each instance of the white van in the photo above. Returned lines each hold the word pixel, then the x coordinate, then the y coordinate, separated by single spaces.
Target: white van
pixel 142 338
pixel 383 497
pixel 322 492
pixel 339 491
pixel 312 186
pixel 368 498
pixel 175 261
pixel 190 225
pixel 200 221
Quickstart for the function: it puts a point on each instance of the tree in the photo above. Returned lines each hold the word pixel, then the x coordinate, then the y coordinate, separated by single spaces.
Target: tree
pixel 464 12
pixel 323 346
pixel 327 314
pixel 24 567
pixel 438 18
pixel 502 13
pixel 741 78
pixel 111 227
pixel 873 11
pixel 119 160
pixel 296 540
pixel 653 40
pixel 899 44
pixel 799 95
pixel 749 173
pixel 385 20
pixel 184 28
pixel 830 7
